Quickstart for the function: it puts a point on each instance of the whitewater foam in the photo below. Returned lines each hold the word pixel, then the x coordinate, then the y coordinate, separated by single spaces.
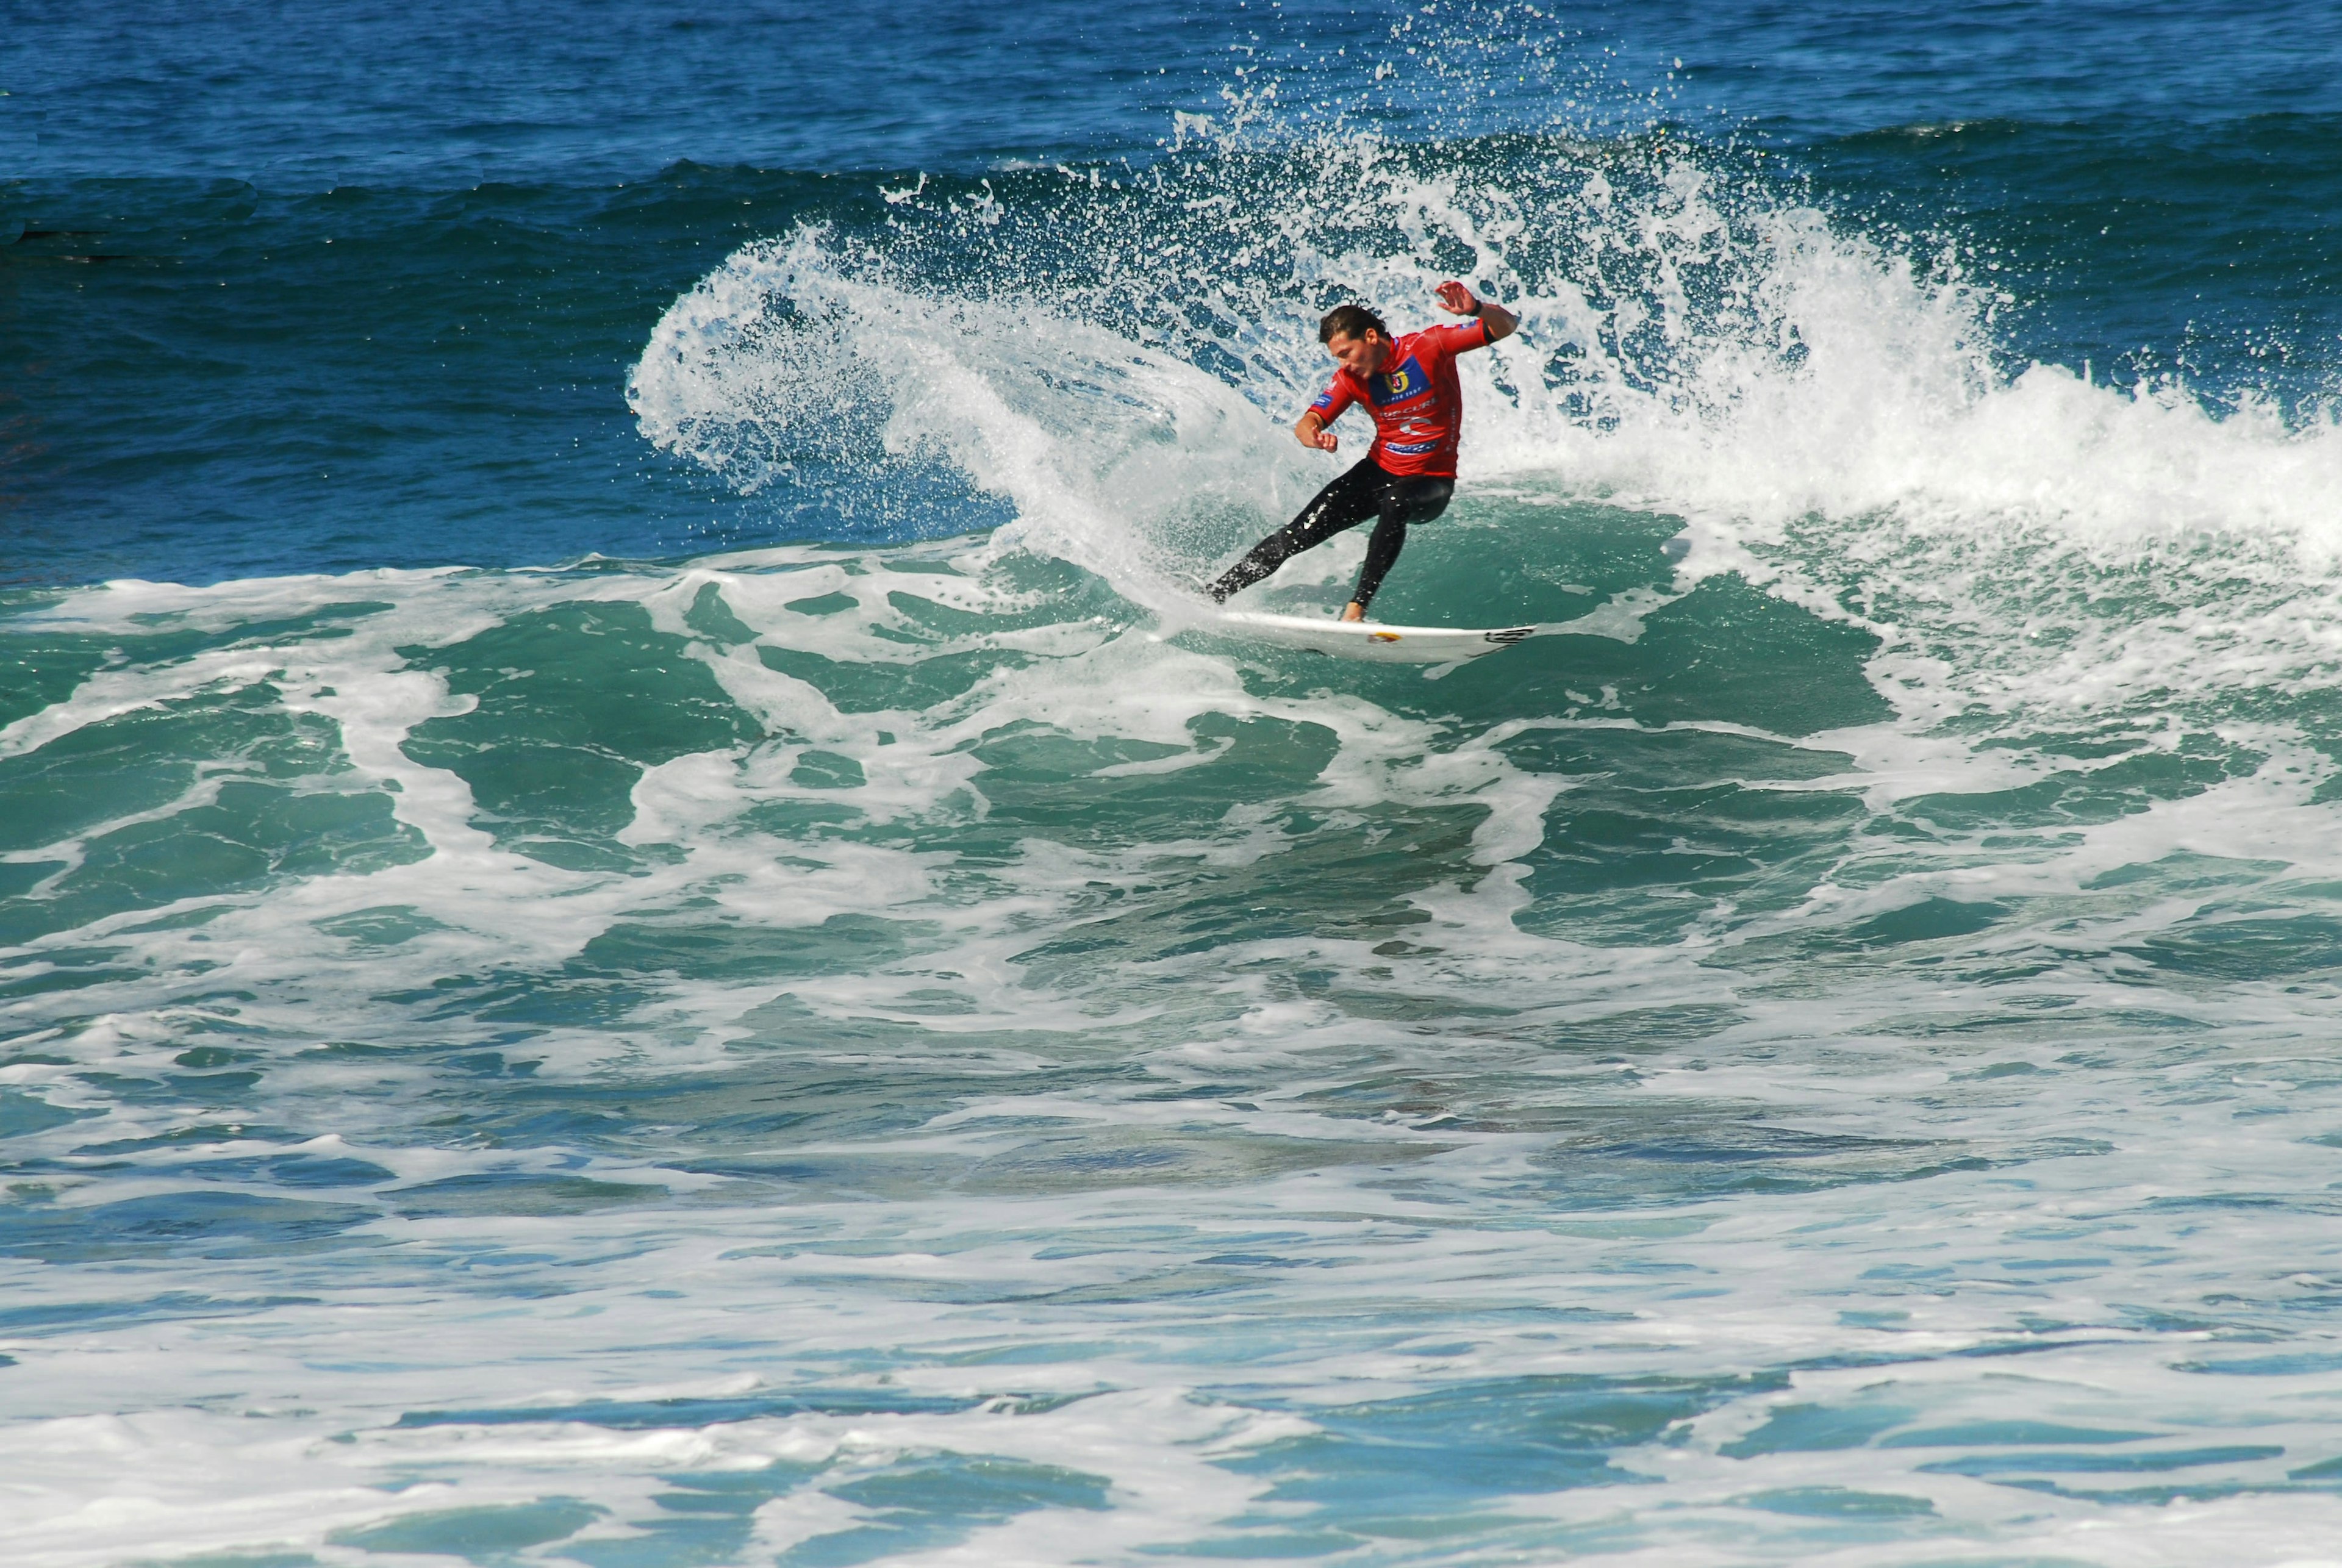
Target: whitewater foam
pixel 1828 412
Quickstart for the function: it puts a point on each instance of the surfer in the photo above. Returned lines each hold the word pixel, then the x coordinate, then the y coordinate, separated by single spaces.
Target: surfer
pixel 1408 385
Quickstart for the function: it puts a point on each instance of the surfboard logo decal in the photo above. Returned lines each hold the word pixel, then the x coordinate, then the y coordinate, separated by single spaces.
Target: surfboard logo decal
pixel 1510 634
pixel 1382 636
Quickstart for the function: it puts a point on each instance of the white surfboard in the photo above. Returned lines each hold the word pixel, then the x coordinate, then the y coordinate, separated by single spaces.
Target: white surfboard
pixel 1372 639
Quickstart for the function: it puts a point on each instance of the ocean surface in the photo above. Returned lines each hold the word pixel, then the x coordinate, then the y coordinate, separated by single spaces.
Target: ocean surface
pixel 642 923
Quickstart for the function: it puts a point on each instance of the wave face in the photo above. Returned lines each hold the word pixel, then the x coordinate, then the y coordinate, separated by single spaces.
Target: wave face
pixel 707 959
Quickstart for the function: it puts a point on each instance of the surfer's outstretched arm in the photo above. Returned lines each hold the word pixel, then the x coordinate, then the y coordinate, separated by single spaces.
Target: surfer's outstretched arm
pixel 1456 298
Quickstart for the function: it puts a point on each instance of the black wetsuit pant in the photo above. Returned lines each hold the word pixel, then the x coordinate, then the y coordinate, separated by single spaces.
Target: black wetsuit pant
pixel 1365 491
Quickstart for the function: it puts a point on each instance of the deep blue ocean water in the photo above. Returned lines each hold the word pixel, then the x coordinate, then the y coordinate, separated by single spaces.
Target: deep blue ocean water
pixel 643 924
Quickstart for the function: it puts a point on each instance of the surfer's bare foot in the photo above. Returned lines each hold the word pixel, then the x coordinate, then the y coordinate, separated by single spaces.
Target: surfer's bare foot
pixel 1354 611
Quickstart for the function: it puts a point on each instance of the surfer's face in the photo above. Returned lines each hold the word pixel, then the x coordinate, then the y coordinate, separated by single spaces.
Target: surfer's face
pixel 1361 355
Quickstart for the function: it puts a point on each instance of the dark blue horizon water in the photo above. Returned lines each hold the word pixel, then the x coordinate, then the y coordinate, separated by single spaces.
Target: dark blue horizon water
pixel 300 98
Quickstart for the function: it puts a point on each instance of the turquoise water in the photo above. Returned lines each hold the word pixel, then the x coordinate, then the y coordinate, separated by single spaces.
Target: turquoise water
pixel 641 924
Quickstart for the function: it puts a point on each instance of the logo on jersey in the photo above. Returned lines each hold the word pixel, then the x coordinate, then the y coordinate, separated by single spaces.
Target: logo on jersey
pixel 1398 386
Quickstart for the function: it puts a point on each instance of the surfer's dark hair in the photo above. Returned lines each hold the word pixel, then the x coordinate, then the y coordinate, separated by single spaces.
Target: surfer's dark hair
pixel 1349 321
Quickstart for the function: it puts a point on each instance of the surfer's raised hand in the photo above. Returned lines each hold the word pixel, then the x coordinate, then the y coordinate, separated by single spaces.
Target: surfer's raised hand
pixel 1454 297
pixel 1310 431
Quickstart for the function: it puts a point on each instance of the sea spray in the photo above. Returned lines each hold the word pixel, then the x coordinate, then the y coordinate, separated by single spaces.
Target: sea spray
pixel 1115 360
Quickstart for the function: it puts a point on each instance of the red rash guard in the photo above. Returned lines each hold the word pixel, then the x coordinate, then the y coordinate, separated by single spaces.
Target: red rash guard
pixel 1418 405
